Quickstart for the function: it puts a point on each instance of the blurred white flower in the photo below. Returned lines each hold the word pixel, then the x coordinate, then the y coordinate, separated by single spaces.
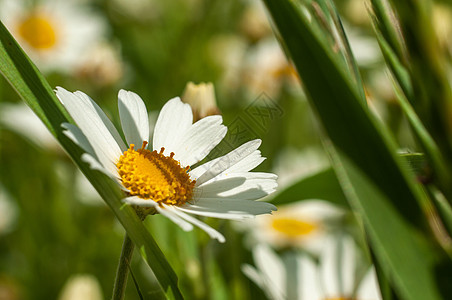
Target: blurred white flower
pixel 101 65
pixel 142 10
pixel 53 33
pixel 81 286
pixel 20 119
pixel 255 22
pixel 228 53
pixel 356 11
pixel 266 69
pixel 365 48
pixel 442 24
pixel 292 164
pixel 8 211
pixel 303 225
pixel 297 276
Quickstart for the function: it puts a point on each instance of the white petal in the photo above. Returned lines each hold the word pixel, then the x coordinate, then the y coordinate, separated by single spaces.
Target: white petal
pixel 134 118
pixel 76 135
pixel 368 288
pixel 134 200
pixel 254 275
pixel 95 165
pixel 329 268
pixel 309 287
pixel 111 128
pixel 247 186
pixel 94 124
pixel 168 212
pixel 199 140
pixel 273 270
pixel 174 120
pixel 314 209
pixel 348 265
pixel 338 259
pixel 248 163
pixel 222 164
pixel 228 208
pixel 209 230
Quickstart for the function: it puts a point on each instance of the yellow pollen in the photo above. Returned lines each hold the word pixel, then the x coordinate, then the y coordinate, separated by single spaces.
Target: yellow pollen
pixel 38 32
pixel 292 227
pixel 152 175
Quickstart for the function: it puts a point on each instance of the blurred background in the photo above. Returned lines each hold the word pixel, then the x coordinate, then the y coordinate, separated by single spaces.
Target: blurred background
pixel 58 240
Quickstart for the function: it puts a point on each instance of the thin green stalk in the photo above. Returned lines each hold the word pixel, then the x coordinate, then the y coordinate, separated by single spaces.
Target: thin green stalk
pixel 122 273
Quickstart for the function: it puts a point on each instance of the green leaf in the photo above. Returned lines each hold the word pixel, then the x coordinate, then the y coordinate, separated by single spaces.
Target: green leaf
pixel 402 251
pixel 322 185
pixel 380 189
pixel 28 82
pixel 344 116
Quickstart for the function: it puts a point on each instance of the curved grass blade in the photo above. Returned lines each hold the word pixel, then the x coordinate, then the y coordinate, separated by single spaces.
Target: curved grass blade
pixel 31 86
pixel 389 200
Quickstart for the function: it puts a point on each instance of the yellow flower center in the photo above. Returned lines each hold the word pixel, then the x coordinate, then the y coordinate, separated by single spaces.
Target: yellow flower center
pixel 154 176
pixel 292 227
pixel 38 32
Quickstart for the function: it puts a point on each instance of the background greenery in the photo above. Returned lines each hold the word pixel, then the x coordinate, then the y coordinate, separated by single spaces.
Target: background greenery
pixel 57 234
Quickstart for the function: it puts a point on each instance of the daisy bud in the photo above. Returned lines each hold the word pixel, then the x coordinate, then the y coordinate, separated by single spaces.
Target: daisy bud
pixel 201 98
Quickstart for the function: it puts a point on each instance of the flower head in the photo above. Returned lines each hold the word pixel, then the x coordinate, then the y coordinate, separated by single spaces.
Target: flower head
pixel 160 178
pixel 53 33
pixel 333 278
pixel 302 225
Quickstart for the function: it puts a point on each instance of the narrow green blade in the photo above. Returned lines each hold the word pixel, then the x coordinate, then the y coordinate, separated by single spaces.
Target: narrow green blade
pixel 25 78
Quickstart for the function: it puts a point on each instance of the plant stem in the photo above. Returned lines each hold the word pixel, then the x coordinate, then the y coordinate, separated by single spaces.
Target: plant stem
pixel 123 269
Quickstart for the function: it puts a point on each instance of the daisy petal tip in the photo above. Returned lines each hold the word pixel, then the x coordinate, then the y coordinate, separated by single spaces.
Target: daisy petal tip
pixel 122 93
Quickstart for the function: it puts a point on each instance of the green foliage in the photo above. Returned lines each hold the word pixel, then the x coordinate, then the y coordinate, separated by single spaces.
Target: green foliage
pixel 378 186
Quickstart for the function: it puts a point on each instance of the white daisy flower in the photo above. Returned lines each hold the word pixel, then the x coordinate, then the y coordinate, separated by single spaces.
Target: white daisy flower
pixel 266 69
pixel 53 33
pixel 297 276
pixel 161 178
pixel 303 225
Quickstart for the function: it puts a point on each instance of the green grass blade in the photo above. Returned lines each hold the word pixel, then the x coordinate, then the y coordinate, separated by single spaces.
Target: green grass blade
pixel 345 118
pixel 390 201
pixel 401 251
pixel 25 78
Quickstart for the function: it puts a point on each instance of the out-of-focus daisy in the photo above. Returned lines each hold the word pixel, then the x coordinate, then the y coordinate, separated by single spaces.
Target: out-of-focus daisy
pixel 81 286
pixel 297 276
pixel 33 130
pixel 101 65
pixel 292 164
pixel 141 10
pixel 365 48
pixel 254 22
pixel 303 224
pixel 53 33
pixel 266 69
pixel 201 98
pixel 20 119
pixel 228 52
pixel 161 179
